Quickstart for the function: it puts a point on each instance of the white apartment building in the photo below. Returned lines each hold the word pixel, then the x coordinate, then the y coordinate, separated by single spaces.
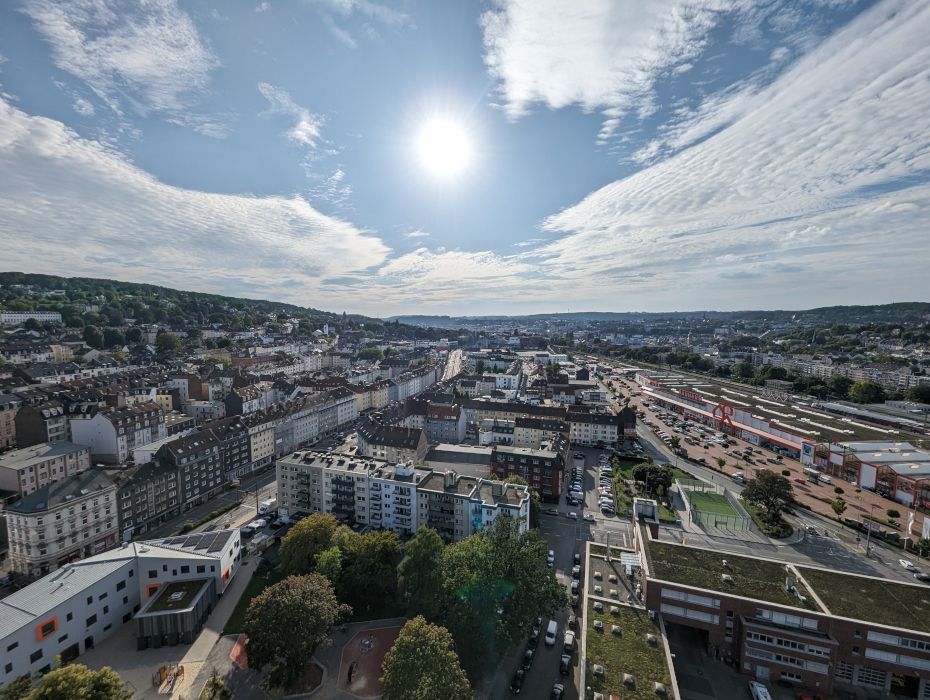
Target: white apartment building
pixel 359 490
pixel 62 522
pixel 113 434
pixel 593 429
pixel 14 318
pixel 25 470
pixel 77 607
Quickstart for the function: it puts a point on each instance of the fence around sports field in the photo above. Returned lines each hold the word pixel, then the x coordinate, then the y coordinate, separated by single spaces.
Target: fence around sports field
pixel 711 505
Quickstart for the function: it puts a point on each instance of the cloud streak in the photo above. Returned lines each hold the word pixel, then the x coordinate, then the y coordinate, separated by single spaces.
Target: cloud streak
pixel 306 128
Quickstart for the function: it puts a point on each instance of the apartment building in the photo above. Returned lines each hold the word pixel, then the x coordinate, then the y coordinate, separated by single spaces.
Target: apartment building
pixel 9 406
pixel 40 423
pixel 147 495
pixel 444 423
pixel 458 506
pixel 199 465
pixel 61 522
pixel 534 431
pixel 15 318
pixel 113 433
pixel 594 429
pixel 356 490
pixel 543 469
pixel 75 608
pixel 496 432
pixel 28 469
pixel 391 443
pixel 233 436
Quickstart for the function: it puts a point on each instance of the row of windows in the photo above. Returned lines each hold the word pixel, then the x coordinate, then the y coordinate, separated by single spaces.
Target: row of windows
pixel 787 644
pixel 895 640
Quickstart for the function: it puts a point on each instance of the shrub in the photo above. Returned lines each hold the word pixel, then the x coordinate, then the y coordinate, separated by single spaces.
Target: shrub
pixel 892 513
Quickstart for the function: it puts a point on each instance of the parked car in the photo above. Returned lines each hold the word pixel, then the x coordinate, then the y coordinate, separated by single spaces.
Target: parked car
pixel 572 515
pixel 550 558
pixel 576 571
pixel 533 641
pixel 528 657
pixel 590 517
pixel 758 691
pixel 565 665
pixel 551 632
pixel 568 642
pixel 576 558
pixel 907 564
pixel 558 690
pixel 517 683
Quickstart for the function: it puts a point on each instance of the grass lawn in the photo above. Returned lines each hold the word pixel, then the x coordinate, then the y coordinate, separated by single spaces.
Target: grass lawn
pixel 710 503
pixel 754 578
pixel 876 600
pixel 629 652
pixel 258 583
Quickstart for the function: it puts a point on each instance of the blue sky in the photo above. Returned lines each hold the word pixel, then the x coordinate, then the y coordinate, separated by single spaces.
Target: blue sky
pixel 670 155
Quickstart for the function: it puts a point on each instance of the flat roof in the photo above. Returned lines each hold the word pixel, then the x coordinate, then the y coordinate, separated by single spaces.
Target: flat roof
pixel 876 600
pixel 36 454
pixel 629 652
pixel 749 577
pixel 175 596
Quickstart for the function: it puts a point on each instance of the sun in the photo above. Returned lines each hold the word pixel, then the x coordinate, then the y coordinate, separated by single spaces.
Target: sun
pixel 443 147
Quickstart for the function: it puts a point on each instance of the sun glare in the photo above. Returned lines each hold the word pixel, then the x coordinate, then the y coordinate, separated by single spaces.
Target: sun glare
pixel 443 147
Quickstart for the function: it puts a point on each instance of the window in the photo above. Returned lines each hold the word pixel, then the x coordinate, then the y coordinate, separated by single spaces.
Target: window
pixel 90 621
pixel 48 628
pixel 185 569
pixel 201 568
pixel 69 617
pixel 12 646
pixel 101 596
pixel 164 568
pixel 106 609
pixel 35 656
pixel 8 668
pixel 153 573
pixel 90 600
pixel 121 585
pixel 63 638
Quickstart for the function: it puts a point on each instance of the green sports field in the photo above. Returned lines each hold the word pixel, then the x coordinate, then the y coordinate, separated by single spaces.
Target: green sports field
pixel 710 503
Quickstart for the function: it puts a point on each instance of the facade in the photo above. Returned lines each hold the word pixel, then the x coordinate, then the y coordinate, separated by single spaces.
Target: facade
pixel 78 606
pixel 15 318
pixel 895 470
pixel 543 469
pixel 364 491
pixel 444 423
pixel 199 465
pixel 233 436
pixel 533 431
pixel 594 429
pixel 147 495
pixel 459 506
pixel 496 432
pixel 28 469
pixel 113 434
pixel 9 406
pixel 41 423
pixel 61 522
pixel 392 444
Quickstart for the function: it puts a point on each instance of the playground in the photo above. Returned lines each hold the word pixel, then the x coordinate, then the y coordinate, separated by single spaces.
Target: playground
pixel 360 664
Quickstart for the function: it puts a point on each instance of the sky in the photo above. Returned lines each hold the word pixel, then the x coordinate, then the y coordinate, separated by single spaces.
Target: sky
pixel 606 155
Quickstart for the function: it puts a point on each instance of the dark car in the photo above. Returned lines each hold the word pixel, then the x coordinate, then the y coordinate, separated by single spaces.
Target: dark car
pixel 565 665
pixel 517 683
pixel 528 657
pixel 577 558
pixel 557 691
pixel 534 639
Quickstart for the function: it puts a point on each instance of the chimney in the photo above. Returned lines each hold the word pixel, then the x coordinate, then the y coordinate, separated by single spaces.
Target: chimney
pixel 448 479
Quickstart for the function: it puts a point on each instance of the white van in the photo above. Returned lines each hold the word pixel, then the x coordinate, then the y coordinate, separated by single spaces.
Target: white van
pixel 267 506
pixel 552 632
pixel 758 691
pixel 824 479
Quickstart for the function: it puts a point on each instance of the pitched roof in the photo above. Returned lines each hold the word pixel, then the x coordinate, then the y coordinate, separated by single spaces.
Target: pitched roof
pixel 58 493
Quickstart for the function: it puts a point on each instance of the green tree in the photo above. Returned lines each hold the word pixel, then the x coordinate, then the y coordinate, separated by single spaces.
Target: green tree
pixel 369 568
pixel 771 493
pixel 840 385
pixel 893 513
pixel 329 563
pixel 17 689
pixel 419 579
pixel 304 541
pixel 839 506
pixel 113 338
pixel 32 324
pixel 743 370
pixel 721 462
pixel 866 392
pixel 166 342
pixel 919 393
pixel 286 622
pixel 495 583
pixel 134 334
pixel 78 681
pixel 653 475
pixel 215 689
pixel 370 354
pixel 93 337
pixel 422 665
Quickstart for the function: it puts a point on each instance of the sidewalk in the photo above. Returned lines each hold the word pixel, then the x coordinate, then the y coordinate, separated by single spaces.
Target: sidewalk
pixel 137 667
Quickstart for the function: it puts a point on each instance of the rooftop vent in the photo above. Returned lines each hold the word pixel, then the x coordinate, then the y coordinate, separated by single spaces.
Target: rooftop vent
pixel 726 578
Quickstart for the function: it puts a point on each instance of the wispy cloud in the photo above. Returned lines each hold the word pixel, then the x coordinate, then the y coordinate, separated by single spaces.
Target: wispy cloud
pixel 306 128
pixel 335 13
pixel 150 59
pixel 65 197
pixel 83 107
pixel 416 234
pixel 263 7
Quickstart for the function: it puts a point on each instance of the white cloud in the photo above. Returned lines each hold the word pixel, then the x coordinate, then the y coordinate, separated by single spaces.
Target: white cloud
pixel 416 234
pixel 73 206
pixel 83 107
pixel 825 169
pixel 306 128
pixel 151 59
pixel 365 10
pixel 263 7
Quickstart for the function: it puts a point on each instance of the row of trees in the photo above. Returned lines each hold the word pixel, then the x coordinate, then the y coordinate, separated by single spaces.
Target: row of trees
pixel 67 683
pixel 481 593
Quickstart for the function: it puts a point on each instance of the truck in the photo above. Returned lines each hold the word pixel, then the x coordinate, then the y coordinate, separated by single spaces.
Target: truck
pixel 267 506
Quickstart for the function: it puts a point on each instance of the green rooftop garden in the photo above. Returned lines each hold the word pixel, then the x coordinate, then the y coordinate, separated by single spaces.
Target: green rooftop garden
pixel 872 599
pixel 703 568
pixel 629 652
pixel 177 595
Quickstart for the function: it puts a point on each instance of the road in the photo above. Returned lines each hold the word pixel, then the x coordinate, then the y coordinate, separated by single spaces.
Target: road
pixel 453 364
pixel 565 536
